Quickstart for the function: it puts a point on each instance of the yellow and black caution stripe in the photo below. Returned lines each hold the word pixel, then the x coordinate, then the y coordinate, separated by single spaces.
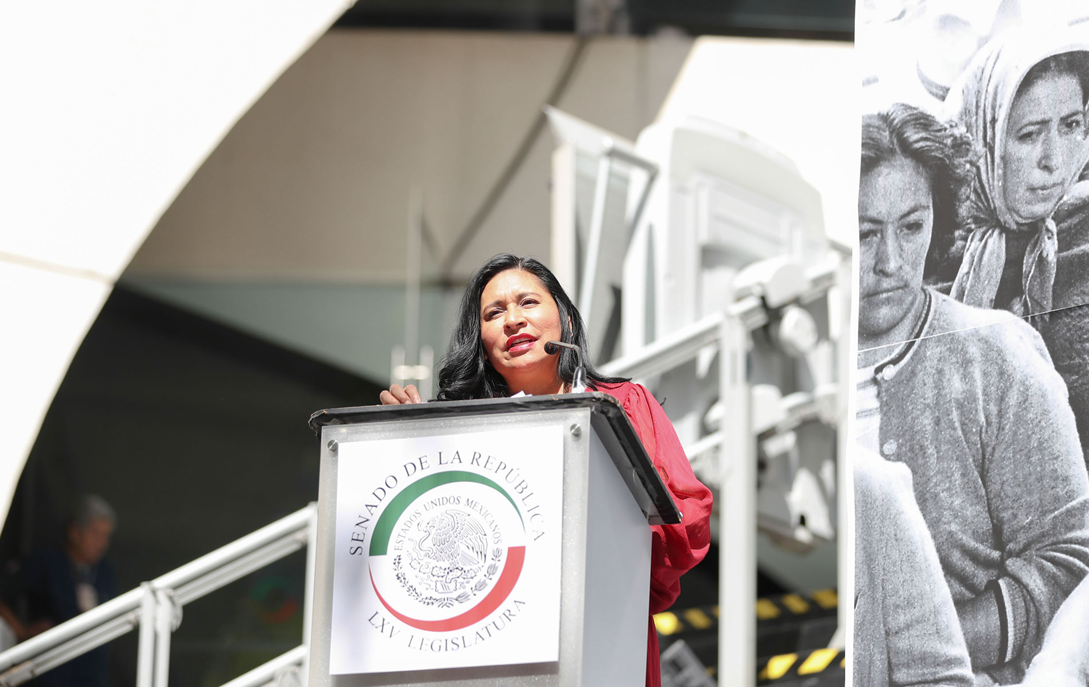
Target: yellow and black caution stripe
pixel 669 623
pixel 786 608
pixel 787 668
pixel 788 626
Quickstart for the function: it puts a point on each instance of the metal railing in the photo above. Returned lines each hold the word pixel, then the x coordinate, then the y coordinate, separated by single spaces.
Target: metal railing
pixel 156 608
pixel 674 350
pixel 729 332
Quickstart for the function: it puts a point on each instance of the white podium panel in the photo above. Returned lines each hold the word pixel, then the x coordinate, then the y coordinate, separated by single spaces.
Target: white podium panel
pixel 447 551
pixel 498 543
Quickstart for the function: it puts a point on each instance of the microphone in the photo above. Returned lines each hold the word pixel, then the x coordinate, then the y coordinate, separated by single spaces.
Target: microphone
pixel 578 385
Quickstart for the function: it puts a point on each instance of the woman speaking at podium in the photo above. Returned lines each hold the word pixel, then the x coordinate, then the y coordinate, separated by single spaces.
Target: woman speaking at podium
pixel 511 308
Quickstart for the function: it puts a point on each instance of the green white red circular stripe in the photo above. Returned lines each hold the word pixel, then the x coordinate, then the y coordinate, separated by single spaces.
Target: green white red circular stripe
pixel 512 567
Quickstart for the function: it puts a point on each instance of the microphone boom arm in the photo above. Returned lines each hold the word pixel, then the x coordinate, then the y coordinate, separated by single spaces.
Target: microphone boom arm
pixel 578 384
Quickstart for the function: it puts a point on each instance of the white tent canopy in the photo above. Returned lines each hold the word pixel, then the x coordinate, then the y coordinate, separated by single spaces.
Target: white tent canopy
pixel 111 106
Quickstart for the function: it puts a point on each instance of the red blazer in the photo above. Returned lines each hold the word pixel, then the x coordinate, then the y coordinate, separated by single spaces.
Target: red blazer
pixel 675 549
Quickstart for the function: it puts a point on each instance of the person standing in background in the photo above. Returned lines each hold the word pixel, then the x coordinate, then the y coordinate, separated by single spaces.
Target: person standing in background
pixel 56 585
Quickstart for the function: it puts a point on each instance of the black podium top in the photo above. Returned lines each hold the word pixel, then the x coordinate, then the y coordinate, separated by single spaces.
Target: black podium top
pixel 607 415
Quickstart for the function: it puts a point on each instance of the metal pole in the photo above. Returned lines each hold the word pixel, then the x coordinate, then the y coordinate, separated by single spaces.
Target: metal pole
pixel 737 515
pixel 412 277
pixel 397 365
pixel 73 648
pixel 164 621
pixel 426 384
pixel 145 660
pixel 236 569
pixel 235 550
pixel 66 631
pixel 637 214
pixel 669 351
pixel 597 222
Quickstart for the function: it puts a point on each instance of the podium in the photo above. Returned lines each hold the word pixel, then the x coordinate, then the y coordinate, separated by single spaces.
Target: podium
pixel 500 542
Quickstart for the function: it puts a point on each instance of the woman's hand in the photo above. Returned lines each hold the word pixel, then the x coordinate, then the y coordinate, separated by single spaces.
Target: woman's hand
pixel 397 396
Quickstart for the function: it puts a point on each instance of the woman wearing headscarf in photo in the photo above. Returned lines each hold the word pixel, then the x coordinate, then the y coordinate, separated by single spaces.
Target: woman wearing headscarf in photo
pixel 968 400
pixel 1023 101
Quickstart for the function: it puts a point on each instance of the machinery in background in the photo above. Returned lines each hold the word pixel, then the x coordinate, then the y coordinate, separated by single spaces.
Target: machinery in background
pixel 699 261
pixel 698 258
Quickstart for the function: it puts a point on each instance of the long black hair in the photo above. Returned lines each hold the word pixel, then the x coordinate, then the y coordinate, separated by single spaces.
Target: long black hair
pixel 945 153
pixel 466 373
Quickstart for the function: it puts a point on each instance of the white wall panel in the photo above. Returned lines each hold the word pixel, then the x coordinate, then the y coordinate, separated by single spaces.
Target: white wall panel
pixel 790 95
pixel 43 316
pixel 313 184
pixel 109 107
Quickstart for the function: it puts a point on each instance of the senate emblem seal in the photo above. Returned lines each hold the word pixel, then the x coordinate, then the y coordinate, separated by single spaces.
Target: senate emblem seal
pixel 447 551
pixel 449 559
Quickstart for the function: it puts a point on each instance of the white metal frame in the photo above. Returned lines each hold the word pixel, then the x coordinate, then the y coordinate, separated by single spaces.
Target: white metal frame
pixel 730 332
pixel 610 152
pixel 156 608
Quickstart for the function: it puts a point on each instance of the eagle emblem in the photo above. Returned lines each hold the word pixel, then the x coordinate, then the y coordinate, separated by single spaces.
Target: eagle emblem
pixel 450 552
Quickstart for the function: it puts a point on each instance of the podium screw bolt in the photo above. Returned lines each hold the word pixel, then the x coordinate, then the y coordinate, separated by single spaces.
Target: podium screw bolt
pixel 576 430
pixel 332 445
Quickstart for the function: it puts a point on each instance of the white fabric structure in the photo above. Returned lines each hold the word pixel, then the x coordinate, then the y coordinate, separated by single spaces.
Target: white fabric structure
pixel 791 96
pixel 111 106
